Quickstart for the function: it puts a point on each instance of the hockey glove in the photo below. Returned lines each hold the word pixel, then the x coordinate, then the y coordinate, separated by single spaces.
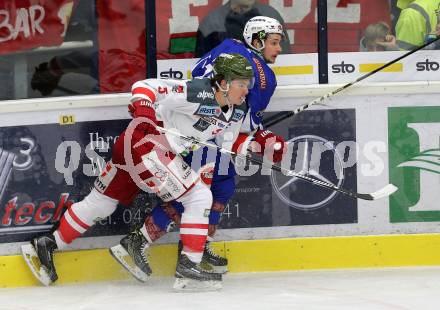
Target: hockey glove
pixel 144 108
pixel 268 144
pixel 272 146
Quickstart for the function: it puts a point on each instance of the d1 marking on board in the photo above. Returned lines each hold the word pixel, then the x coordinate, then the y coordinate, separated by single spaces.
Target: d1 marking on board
pixel 67 119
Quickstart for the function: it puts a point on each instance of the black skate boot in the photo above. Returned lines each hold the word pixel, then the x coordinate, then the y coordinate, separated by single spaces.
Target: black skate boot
pixel 132 254
pixel 191 277
pixel 39 257
pixel 210 260
pixel 216 263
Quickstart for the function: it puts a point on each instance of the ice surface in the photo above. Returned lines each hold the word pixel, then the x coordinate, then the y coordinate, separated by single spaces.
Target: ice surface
pixel 372 289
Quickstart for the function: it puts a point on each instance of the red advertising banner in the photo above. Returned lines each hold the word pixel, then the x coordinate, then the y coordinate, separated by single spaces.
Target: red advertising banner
pixel 26 24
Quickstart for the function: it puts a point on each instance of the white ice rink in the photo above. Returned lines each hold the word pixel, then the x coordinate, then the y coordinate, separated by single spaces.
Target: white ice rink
pixel 372 289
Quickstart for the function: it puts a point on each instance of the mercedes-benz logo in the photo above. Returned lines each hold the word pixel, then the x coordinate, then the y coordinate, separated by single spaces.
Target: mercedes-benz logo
pixel 315 157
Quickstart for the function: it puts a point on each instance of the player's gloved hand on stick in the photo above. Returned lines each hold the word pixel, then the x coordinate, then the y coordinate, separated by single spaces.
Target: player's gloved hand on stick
pixel 144 109
pixel 264 142
pixel 270 145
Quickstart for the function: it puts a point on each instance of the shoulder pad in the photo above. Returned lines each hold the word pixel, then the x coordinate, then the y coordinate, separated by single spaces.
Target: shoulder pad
pixel 200 91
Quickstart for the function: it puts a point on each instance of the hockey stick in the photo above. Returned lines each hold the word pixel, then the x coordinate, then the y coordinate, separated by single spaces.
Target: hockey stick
pixel 282 115
pixel 384 192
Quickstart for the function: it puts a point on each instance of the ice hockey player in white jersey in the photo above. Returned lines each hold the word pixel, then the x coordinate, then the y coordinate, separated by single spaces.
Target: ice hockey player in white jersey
pixel 261 46
pixel 143 158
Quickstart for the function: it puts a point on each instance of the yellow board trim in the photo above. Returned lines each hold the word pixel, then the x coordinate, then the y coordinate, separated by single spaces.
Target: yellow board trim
pixel 293 70
pixel 246 256
pixel 365 68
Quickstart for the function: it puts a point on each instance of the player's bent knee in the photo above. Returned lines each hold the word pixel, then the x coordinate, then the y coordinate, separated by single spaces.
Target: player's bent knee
pixel 94 207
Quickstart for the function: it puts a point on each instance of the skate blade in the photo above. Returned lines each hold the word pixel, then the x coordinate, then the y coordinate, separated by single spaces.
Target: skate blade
pixel 190 285
pixel 123 258
pixel 214 269
pixel 220 269
pixel 31 258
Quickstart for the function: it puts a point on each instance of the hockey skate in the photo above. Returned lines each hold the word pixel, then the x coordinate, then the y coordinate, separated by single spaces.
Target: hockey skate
pixel 191 277
pixel 132 254
pixel 215 262
pixel 210 260
pixel 39 257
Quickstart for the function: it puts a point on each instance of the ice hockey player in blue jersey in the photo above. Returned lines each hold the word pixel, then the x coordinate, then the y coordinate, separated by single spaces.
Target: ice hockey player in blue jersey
pixel 262 37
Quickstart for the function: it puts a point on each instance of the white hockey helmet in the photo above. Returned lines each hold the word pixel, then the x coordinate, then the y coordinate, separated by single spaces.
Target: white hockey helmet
pixel 259 27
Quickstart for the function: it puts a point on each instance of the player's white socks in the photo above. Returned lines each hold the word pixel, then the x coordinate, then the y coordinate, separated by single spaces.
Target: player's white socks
pixel 195 257
pixel 194 223
pixel 61 245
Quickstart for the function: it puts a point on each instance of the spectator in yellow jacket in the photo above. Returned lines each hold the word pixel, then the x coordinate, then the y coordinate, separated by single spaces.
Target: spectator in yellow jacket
pixel 417 21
